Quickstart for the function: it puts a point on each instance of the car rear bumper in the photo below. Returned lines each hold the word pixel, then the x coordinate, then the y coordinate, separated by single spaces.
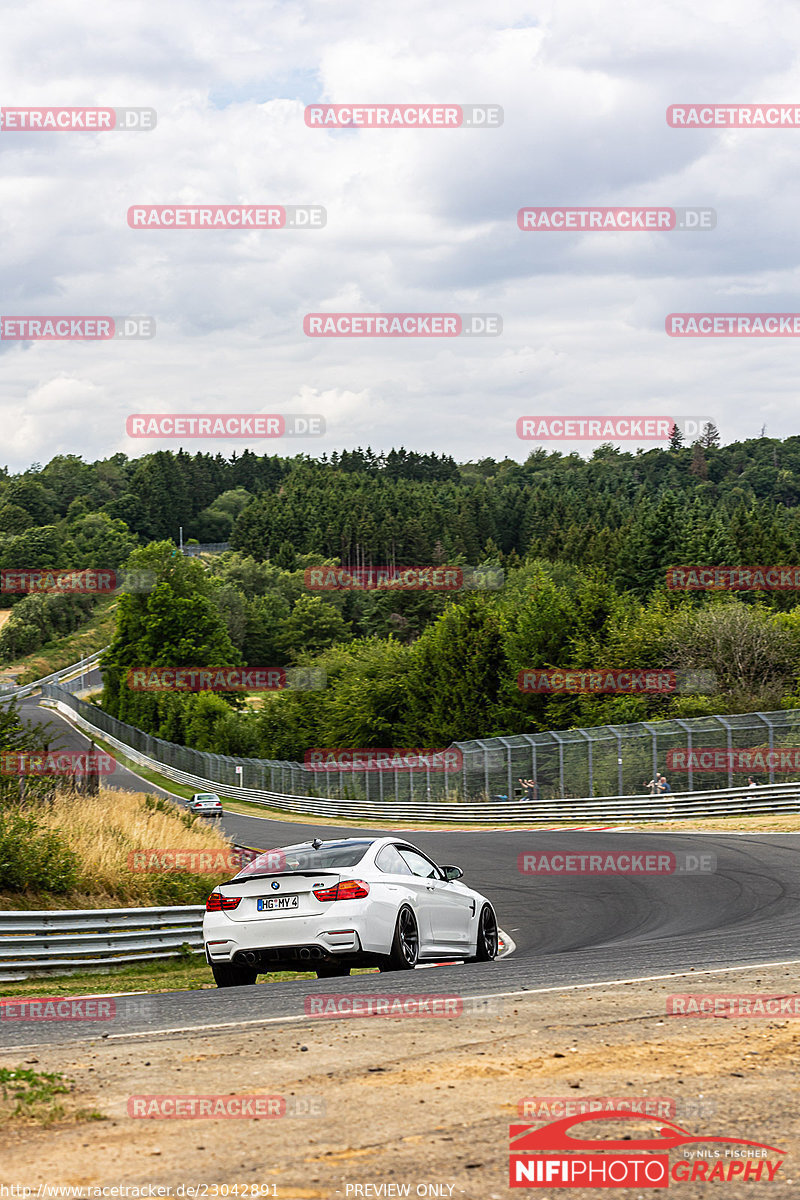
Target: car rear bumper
pixel 287 958
pixel 280 939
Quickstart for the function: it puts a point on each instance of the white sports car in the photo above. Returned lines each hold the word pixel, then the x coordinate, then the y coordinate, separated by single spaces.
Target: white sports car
pixel 331 906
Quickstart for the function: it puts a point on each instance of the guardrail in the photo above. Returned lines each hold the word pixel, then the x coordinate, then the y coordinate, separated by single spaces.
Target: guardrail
pixel 191 551
pixel 52 940
pixel 17 693
pixel 767 799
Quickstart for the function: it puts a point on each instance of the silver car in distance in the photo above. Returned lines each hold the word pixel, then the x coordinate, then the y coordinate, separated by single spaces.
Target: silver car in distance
pixel 330 906
pixel 205 804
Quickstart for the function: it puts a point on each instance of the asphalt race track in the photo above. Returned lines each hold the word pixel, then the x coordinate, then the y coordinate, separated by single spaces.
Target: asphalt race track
pixel 567 930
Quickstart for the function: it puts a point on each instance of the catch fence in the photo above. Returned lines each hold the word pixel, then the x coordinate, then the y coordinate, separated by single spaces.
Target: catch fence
pixel 604 761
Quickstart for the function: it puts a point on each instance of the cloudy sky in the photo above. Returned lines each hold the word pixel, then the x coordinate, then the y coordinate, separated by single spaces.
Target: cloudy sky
pixel 417 220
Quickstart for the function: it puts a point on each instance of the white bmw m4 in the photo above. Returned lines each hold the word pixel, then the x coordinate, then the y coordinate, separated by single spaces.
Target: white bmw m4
pixel 330 906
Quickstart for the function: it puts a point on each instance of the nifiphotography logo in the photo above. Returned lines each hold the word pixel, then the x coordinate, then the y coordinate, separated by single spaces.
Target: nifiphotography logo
pixel 550 1156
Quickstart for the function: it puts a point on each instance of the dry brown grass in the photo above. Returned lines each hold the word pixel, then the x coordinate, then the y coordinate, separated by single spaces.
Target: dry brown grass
pixel 106 829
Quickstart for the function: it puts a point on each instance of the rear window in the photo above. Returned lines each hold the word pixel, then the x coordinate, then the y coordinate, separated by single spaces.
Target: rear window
pixel 285 859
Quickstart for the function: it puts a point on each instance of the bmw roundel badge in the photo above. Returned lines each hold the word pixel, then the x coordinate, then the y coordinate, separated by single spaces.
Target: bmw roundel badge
pixel 275 884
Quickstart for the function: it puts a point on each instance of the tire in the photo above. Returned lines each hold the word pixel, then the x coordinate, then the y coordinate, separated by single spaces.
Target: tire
pixel 233 974
pixel 404 954
pixel 487 947
pixel 330 970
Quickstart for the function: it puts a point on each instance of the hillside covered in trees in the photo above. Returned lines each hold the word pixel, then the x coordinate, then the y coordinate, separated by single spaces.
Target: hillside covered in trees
pixel 584 546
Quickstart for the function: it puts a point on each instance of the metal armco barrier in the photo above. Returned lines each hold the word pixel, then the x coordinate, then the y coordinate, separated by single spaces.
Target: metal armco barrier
pixel 769 799
pixel 17 693
pixel 51 940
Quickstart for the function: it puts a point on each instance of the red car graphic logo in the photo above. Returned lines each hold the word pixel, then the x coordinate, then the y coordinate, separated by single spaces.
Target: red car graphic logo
pixel 556 1136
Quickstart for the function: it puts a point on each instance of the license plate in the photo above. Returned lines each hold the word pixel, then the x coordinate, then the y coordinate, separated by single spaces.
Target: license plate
pixel 267 904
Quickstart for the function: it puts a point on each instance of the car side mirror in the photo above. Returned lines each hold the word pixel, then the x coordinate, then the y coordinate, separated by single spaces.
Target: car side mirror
pixel 451 873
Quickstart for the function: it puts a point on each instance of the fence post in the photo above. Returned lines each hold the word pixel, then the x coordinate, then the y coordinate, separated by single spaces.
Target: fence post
pixel 771 729
pixel 687 729
pixel 561 766
pixel 591 768
pixel 727 727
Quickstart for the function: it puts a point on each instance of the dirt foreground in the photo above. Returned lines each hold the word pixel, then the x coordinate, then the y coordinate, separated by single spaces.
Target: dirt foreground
pixel 375 1106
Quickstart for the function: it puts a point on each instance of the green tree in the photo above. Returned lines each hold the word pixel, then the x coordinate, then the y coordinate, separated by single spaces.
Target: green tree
pixel 676 438
pixel 457 675
pixel 14 518
pixel 173 623
pixel 709 438
pixel 100 541
pixel 312 625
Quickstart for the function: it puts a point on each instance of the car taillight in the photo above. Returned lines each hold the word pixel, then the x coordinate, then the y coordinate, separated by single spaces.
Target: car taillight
pixel 216 902
pixel 349 889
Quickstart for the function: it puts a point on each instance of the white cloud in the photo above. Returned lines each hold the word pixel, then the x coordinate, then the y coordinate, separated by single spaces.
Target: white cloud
pixel 418 221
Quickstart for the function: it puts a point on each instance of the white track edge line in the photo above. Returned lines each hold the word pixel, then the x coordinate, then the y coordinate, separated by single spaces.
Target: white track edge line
pixel 482 996
pixel 117 1037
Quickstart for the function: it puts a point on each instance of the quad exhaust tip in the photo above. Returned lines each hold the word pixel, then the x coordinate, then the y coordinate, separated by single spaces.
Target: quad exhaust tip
pixel 304 953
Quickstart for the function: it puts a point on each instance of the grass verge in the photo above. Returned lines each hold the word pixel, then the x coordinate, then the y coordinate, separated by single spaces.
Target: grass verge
pixel 63 652
pixel 29 1097
pixel 103 843
pixel 185 975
